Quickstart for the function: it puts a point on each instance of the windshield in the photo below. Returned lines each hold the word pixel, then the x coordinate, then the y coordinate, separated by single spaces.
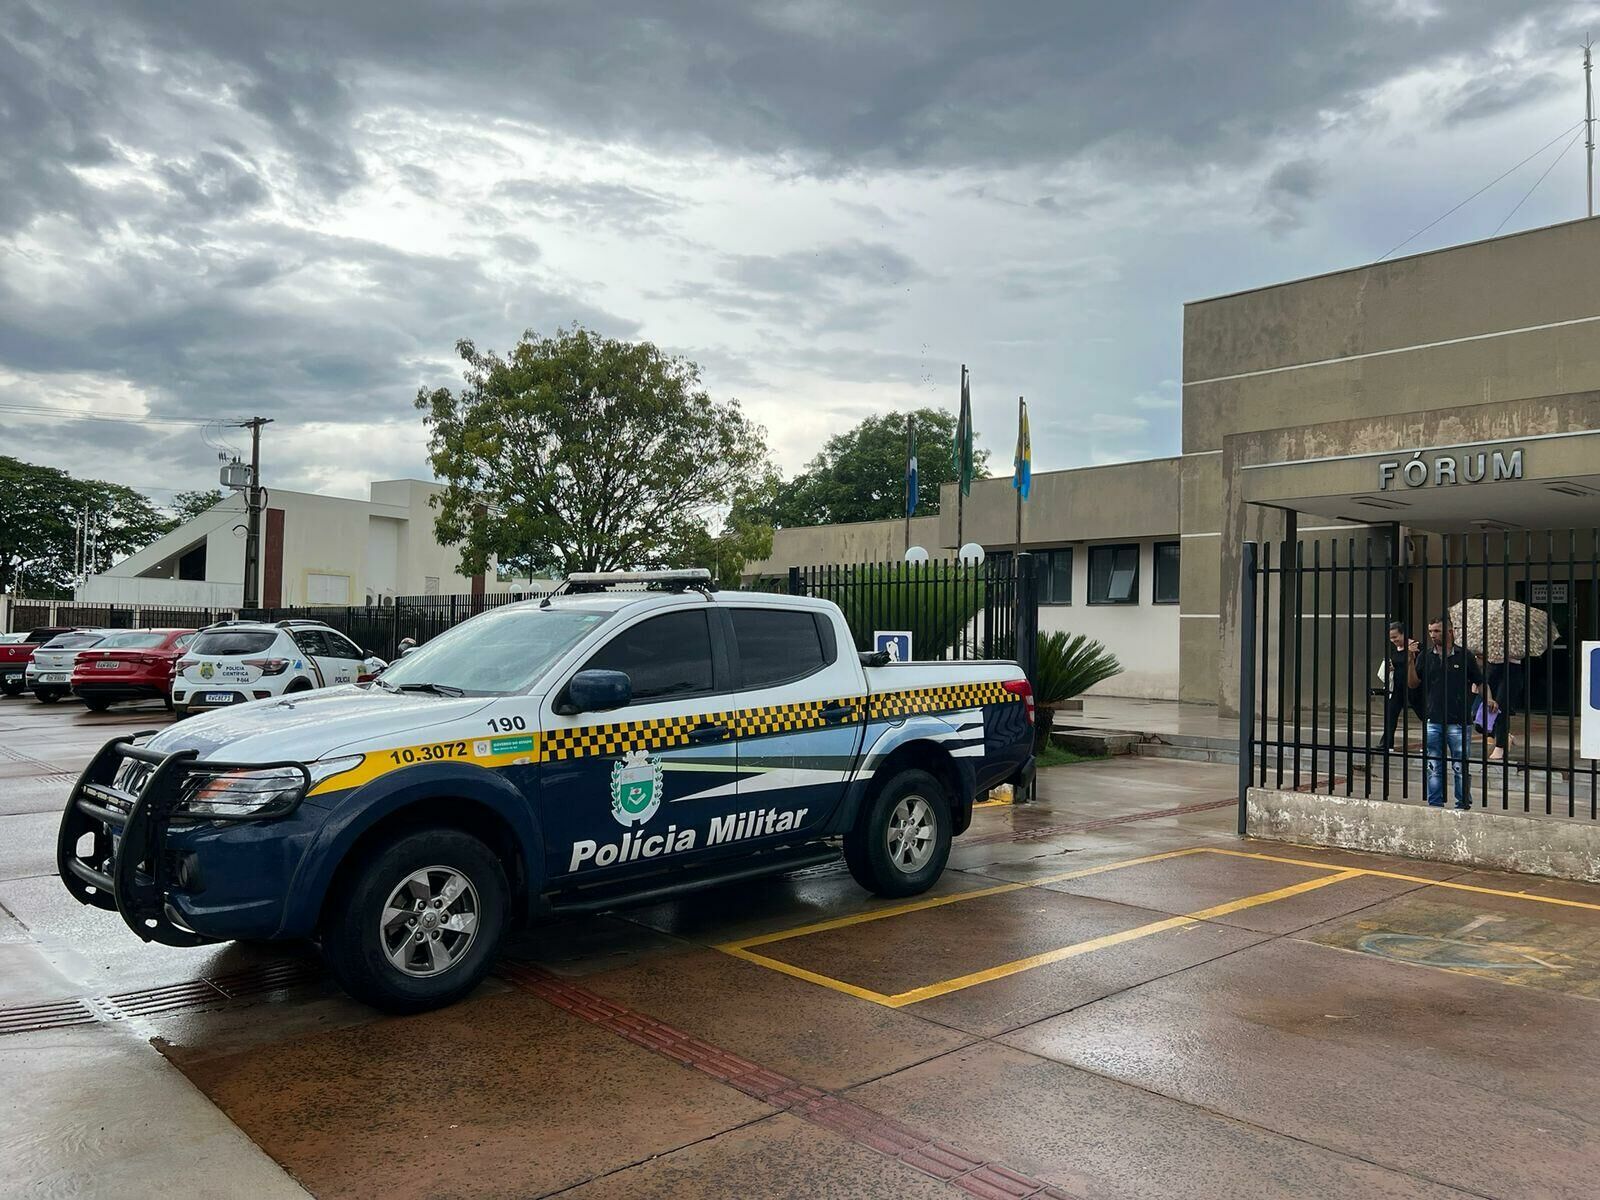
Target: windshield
pixel 126 641
pixel 75 641
pixel 494 654
pixel 234 641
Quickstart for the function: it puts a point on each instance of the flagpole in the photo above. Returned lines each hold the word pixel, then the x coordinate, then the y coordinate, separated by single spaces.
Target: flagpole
pixel 961 494
pixel 1019 468
pixel 911 499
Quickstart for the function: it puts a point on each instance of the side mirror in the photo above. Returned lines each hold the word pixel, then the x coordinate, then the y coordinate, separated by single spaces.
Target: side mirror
pixel 595 691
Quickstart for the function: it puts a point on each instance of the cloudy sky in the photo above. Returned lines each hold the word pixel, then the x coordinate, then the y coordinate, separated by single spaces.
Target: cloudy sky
pixel 216 208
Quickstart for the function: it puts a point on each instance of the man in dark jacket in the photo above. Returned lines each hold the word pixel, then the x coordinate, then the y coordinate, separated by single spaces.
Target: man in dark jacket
pixel 1446 676
pixel 1397 691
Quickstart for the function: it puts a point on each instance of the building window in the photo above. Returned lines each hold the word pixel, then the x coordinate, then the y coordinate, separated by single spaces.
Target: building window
pixel 1114 574
pixel 1166 591
pixel 1055 576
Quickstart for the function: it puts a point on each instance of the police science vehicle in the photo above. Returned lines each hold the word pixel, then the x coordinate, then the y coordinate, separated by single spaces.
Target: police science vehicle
pixel 595 748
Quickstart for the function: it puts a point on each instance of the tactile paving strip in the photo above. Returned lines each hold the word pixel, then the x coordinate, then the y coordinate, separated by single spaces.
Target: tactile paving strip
pixel 920 1151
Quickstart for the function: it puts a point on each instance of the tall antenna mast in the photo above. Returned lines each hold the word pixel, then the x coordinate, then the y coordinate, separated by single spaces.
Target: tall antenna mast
pixel 1588 115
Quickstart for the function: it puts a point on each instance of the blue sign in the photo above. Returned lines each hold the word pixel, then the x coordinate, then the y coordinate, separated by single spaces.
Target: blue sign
pixel 1589 724
pixel 896 642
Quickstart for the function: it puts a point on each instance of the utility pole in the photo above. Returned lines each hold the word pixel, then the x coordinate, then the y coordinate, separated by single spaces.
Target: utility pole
pixel 1588 115
pixel 252 537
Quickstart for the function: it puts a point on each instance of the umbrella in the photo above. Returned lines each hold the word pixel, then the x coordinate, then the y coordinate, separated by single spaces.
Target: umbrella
pixel 1498 629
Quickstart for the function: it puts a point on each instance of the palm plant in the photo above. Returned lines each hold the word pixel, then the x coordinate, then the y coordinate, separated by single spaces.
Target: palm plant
pixel 1069 665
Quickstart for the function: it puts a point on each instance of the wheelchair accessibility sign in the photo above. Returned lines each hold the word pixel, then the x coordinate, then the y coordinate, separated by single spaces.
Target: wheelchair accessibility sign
pixel 1589 730
pixel 895 642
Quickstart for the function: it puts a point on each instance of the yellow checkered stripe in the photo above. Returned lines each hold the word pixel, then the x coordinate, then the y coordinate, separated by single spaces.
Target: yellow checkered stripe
pixel 795 718
pixel 621 737
pixel 918 701
pixel 665 733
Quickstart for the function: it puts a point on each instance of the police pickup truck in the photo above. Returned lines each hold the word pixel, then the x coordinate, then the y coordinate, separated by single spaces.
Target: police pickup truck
pixel 632 737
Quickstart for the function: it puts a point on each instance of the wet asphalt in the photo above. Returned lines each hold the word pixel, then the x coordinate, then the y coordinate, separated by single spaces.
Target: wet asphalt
pixel 1146 1008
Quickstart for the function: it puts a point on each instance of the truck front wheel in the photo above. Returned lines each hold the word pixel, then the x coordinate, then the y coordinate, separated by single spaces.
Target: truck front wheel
pixel 416 924
pixel 901 839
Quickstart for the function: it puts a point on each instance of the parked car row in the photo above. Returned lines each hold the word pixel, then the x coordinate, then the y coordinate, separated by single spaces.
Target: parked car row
pixel 231 662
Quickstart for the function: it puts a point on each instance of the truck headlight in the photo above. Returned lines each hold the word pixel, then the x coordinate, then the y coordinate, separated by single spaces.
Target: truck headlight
pixel 264 792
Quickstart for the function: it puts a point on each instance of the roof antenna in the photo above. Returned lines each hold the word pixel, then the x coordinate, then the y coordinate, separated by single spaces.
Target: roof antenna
pixel 1588 114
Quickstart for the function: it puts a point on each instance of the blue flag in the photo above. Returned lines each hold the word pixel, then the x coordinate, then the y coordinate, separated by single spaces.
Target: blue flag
pixel 1022 475
pixel 911 466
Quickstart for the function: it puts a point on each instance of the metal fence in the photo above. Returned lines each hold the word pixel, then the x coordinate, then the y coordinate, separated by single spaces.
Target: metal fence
pixel 1325 699
pixel 34 614
pixel 951 610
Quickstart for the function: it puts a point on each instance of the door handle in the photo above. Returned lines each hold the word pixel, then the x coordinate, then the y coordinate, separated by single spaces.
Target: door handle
pixel 832 713
pixel 708 733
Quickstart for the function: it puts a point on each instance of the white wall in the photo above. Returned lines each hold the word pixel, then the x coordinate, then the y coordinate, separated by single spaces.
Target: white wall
pixel 1143 636
pixel 383 558
pixel 175 593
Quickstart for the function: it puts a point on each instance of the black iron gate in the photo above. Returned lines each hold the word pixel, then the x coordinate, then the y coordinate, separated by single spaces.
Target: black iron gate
pixel 1325 698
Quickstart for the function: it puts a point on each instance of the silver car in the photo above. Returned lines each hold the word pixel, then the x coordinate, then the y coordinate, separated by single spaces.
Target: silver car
pixel 49 673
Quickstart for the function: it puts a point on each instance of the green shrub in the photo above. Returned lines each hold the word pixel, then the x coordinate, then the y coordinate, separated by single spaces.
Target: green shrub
pixel 1069 665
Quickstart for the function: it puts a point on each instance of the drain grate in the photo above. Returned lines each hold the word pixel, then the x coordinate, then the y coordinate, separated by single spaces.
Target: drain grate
pixel 189 994
pixel 35 1017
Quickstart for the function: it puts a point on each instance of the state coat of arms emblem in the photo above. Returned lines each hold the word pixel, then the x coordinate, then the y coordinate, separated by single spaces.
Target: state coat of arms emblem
pixel 635 788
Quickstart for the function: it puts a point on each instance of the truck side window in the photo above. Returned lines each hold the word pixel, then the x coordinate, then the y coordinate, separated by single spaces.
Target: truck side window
pixel 776 645
pixel 669 655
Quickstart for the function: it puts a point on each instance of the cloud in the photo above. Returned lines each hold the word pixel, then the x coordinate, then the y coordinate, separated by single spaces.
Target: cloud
pixel 296 209
pixel 620 206
pixel 1287 194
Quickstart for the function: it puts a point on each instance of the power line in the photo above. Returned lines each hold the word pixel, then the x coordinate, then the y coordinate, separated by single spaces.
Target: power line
pixel 1539 180
pixel 78 414
pixel 1486 187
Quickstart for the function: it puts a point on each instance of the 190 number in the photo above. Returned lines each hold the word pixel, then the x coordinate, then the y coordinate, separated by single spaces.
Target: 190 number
pixel 421 754
pixel 506 724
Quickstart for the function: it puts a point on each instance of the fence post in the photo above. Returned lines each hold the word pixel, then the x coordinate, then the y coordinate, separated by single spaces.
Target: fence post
pixel 1027 621
pixel 796 588
pixel 1247 676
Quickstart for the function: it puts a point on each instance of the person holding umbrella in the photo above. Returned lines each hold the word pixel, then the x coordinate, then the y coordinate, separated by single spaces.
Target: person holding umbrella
pixel 1446 675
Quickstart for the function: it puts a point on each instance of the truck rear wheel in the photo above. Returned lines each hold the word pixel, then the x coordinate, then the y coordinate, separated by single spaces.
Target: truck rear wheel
pixel 417 922
pixel 901 839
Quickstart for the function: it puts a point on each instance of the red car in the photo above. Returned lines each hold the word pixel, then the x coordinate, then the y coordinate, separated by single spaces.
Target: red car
pixel 14 658
pixel 133 664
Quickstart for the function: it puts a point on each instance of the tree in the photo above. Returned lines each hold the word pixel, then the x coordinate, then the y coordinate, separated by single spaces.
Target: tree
pixel 860 475
pixel 581 453
pixel 41 509
pixel 189 505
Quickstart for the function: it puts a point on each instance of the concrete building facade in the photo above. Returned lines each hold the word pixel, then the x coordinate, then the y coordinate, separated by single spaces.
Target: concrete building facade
pixel 315 550
pixel 1447 395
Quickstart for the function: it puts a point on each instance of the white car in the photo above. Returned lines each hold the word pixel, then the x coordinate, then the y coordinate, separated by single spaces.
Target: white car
pixel 49 672
pixel 235 662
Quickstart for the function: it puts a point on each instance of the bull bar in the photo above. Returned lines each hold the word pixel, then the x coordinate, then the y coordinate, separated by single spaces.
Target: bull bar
pixel 128 868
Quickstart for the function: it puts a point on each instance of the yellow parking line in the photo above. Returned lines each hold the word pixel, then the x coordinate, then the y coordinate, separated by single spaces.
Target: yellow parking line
pixel 944 987
pixel 827 981
pixel 896 910
pixel 1439 883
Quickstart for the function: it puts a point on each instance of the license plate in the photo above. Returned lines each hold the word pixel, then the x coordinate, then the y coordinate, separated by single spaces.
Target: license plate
pixel 52 677
pixel 106 666
pixel 217 698
pixel 13 674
